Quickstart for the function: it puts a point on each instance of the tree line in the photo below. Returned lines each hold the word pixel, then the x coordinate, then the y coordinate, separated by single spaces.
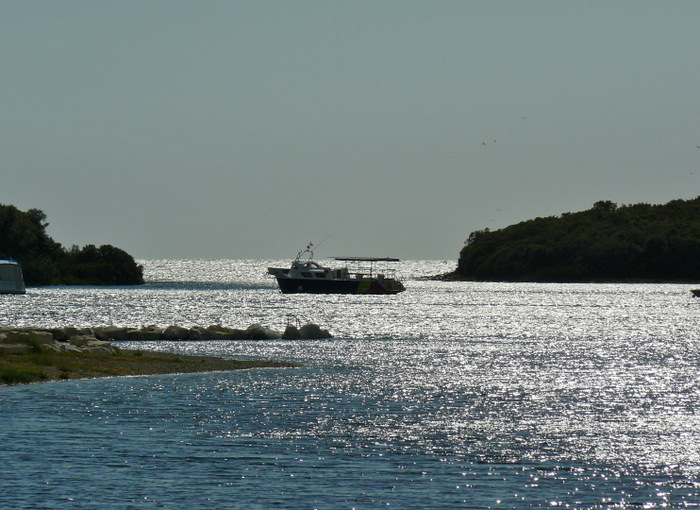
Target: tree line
pixel 23 237
pixel 638 242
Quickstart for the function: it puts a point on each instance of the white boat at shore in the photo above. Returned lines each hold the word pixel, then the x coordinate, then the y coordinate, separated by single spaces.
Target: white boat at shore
pixel 11 278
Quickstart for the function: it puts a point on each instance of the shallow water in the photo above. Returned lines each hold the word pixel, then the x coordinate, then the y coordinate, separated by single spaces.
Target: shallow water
pixel 449 395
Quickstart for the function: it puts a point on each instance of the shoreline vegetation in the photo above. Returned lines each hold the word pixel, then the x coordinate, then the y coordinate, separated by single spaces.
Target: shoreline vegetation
pixel 47 366
pixel 53 354
pixel 638 243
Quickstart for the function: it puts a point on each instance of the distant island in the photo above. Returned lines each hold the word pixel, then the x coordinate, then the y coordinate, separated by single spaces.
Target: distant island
pixel 630 243
pixel 23 237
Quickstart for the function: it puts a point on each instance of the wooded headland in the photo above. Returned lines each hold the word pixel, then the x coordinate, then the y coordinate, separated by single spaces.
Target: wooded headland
pixel 23 237
pixel 607 243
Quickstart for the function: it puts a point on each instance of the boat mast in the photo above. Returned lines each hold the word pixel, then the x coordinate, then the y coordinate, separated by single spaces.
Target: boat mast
pixel 309 249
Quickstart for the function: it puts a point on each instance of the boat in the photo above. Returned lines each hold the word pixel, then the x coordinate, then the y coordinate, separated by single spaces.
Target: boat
pixel 11 279
pixel 360 276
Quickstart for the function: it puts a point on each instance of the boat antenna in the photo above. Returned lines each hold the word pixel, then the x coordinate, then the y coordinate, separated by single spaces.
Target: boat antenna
pixel 326 239
pixel 310 248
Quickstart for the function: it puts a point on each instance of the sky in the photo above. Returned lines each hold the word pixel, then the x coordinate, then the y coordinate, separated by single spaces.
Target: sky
pixel 247 129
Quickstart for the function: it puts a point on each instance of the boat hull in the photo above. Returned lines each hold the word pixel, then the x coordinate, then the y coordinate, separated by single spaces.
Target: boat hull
pixel 12 291
pixel 366 286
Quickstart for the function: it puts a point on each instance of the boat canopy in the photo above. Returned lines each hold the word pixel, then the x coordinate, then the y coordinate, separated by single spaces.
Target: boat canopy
pixel 366 259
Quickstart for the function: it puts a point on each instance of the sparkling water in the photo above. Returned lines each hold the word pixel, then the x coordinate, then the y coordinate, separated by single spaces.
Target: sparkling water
pixel 449 395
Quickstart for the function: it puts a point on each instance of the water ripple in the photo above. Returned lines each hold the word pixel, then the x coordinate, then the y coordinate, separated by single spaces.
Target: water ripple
pixel 450 395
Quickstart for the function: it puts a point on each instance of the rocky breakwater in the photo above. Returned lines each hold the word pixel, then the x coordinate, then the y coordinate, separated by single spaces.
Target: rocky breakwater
pixel 99 340
pixel 24 340
pixel 214 332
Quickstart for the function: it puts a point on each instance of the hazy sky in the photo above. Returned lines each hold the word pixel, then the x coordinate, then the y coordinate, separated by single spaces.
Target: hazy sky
pixel 240 129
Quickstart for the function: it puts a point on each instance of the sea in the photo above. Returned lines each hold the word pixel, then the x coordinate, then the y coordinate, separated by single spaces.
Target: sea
pixel 448 395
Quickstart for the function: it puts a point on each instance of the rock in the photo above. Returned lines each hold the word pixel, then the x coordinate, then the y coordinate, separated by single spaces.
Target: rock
pixel 29 337
pixel 13 337
pixel 200 333
pixel 96 349
pixel 152 333
pixel 70 331
pixel 13 349
pixel 220 332
pixel 100 334
pixel 291 333
pixel 115 333
pixel 176 333
pixel 238 334
pixel 255 332
pixel 146 333
pixel 258 332
pixel 67 347
pixel 224 333
pixel 38 338
pixel 58 334
pixel 105 345
pixel 313 332
pixel 82 340
pixel 98 343
pixel 45 331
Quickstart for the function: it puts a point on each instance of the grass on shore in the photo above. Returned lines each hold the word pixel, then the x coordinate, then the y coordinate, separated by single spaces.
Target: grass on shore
pixel 54 366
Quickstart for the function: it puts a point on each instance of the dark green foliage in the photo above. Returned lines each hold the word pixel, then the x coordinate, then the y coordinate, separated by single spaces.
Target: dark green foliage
pixel 105 265
pixel 639 242
pixel 45 262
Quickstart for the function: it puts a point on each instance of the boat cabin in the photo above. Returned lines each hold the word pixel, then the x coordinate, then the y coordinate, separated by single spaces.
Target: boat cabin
pixel 11 278
pixel 308 276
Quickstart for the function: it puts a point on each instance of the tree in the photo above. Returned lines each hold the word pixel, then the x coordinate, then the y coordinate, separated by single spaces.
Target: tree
pixel 23 237
pixel 605 205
